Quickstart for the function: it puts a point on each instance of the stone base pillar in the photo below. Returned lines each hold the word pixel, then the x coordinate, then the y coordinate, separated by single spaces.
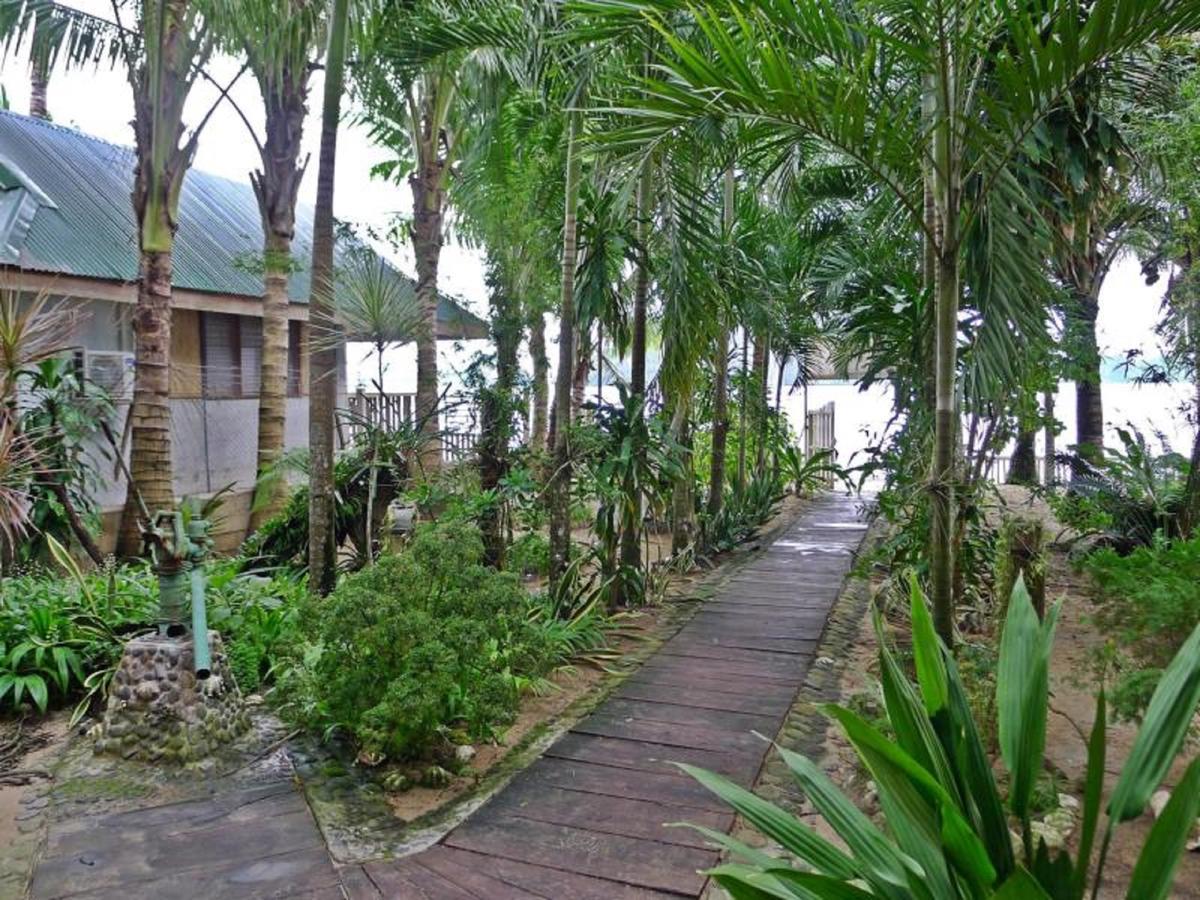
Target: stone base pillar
pixel 159 712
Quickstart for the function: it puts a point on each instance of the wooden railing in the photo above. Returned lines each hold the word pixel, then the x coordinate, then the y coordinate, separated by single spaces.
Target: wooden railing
pixel 998 468
pixel 392 411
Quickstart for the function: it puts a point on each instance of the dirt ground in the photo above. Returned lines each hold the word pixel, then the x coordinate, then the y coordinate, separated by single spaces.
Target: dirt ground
pixel 1073 686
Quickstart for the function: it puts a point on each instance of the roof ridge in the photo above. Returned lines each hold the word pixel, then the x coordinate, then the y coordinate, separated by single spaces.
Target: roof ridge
pixel 58 126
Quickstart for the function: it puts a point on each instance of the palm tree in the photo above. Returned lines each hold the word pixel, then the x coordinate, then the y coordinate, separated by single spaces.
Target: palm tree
pixel 413 109
pixel 279 39
pixel 720 405
pixel 324 333
pixel 558 489
pixel 889 91
pixel 163 58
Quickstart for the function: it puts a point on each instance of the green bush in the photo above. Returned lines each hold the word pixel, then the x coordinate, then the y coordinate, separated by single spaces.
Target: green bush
pixel 61 636
pixel 1151 601
pixel 425 642
pixel 529 555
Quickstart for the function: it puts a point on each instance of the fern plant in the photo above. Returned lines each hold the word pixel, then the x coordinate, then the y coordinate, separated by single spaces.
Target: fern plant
pixel 947 825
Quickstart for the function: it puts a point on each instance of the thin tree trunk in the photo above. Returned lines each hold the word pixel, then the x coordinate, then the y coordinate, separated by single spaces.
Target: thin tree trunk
pixel 541 382
pixel 428 211
pixel 1051 424
pixel 942 510
pixel 323 332
pixel 558 489
pixel 496 418
pixel 150 444
pixel 583 365
pixel 631 533
pixel 762 356
pixel 720 425
pixel 682 502
pixel 745 398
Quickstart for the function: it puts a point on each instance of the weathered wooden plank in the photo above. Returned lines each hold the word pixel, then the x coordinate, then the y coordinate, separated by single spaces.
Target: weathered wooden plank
pixel 668 788
pixel 551 883
pixel 702 699
pixel 357 885
pixel 406 879
pixel 712 666
pixel 781 666
pixel 662 867
pixel 717 682
pixel 624 816
pixel 628 753
pixel 476 880
pixel 688 737
pixel 676 714
pixel 257 878
pixel 103 858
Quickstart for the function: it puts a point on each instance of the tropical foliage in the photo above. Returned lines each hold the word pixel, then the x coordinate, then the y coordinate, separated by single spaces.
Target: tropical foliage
pixel 947 820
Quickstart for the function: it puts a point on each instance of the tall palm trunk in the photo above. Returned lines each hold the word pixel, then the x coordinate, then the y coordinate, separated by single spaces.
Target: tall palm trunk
pixel 560 479
pixel 631 529
pixel 720 409
pixel 150 444
pixel 276 183
pixel 541 382
pixel 323 336
pixel 429 200
pixel 161 83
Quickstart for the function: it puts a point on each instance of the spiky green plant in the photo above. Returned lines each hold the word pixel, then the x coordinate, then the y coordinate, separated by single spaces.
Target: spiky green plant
pixel 947 823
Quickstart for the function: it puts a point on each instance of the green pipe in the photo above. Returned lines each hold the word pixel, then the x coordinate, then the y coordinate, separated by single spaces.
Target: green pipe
pixel 200 652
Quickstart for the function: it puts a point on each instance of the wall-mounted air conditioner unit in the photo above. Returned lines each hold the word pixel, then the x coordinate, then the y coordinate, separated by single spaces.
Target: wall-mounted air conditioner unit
pixel 111 370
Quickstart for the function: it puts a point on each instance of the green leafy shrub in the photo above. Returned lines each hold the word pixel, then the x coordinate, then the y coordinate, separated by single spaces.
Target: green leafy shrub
pixel 257 613
pixel 426 641
pixel 529 555
pixel 1130 497
pixel 60 637
pixel 947 825
pixel 1150 602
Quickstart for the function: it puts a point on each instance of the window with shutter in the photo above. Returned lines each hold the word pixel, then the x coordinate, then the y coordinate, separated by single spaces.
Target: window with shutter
pixel 295 386
pixel 220 354
pixel 251 355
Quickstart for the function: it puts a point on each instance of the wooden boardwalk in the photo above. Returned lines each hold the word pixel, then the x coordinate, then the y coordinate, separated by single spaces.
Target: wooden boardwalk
pixel 584 822
pixel 587 820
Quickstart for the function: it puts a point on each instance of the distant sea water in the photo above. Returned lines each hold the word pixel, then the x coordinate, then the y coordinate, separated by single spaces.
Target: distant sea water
pixel 1160 411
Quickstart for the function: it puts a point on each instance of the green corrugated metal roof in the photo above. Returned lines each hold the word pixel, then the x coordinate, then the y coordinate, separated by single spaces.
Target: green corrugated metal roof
pixel 77 188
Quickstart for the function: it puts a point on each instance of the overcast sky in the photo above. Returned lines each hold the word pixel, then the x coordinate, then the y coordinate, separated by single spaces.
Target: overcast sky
pixel 98 102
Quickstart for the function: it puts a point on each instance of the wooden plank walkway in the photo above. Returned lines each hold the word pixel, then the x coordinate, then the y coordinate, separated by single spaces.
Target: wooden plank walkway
pixel 586 821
